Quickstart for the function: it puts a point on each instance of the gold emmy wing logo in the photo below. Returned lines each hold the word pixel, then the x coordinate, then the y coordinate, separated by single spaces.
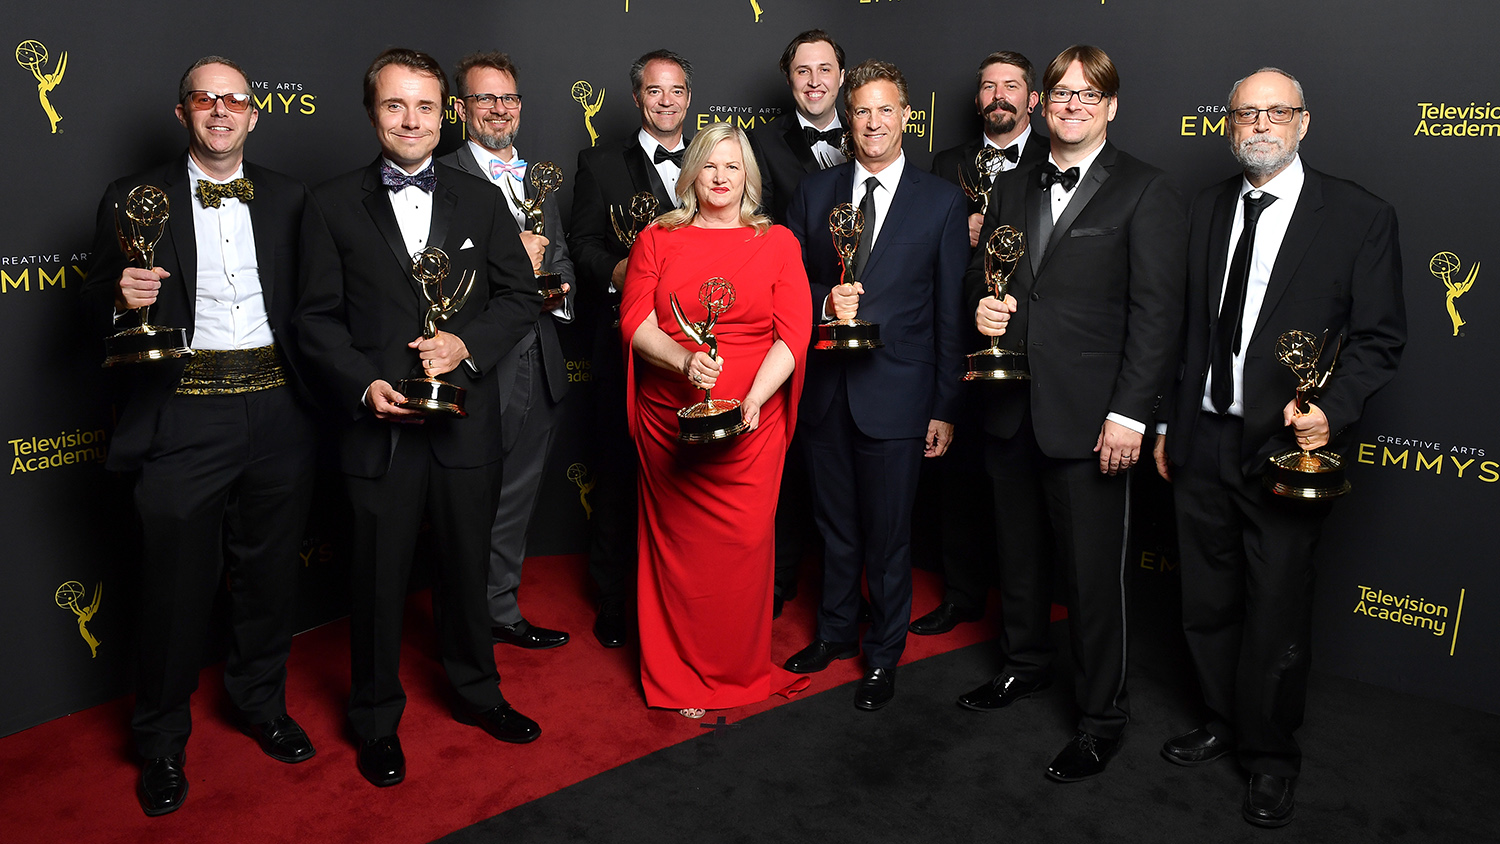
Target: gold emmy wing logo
pixel 1445 265
pixel 579 474
pixel 32 55
pixel 754 7
pixel 68 595
pixel 582 90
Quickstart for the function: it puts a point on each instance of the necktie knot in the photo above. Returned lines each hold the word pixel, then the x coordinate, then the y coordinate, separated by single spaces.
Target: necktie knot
pixel 663 155
pixel 1052 176
pixel 832 136
pixel 211 194
pixel 1256 204
pixel 398 179
pixel 515 169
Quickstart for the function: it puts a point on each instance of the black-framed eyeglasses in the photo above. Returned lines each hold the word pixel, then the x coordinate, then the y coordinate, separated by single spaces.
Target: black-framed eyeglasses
pixel 1275 114
pixel 206 100
pixel 489 100
pixel 1087 96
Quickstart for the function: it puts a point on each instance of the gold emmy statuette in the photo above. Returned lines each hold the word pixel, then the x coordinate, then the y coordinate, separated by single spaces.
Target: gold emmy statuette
pixel 1002 254
pixel 846 223
pixel 986 164
pixel 710 419
pixel 1295 473
pixel 629 222
pixel 147 209
pixel 545 178
pixel 579 474
pixel 429 394
pixel 67 597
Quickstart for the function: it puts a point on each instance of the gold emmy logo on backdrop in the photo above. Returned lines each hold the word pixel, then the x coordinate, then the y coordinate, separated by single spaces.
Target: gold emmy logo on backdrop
pixel 1444 265
pixel 67 596
pixel 755 7
pixel 32 55
pixel 579 474
pixel 582 90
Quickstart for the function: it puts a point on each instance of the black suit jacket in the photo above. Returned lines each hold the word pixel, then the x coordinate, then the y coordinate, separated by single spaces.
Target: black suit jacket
pixel 913 290
pixel 1338 269
pixel 784 157
pixel 362 306
pixel 277 215
pixel 1099 309
pixel 554 363
pixel 608 176
pixel 957 163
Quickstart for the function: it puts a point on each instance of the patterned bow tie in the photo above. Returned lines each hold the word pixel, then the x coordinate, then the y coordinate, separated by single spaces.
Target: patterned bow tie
pixel 663 155
pixel 517 170
pixel 211 193
pixel 397 179
pixel 1051 176
pixel 832 137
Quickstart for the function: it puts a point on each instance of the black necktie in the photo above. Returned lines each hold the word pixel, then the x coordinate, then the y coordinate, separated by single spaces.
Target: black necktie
pixel 867 235
pixel 1052 176
pixel 211 194
pixel 1228 329
pixel 663 155
pixel 832 137
pixel 397 179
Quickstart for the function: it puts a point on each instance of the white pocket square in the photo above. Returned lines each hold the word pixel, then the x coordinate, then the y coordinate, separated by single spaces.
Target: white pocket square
pixel 468 244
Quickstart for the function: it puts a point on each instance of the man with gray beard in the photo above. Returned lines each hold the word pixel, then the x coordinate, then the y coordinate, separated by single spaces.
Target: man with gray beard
pixel 1279 247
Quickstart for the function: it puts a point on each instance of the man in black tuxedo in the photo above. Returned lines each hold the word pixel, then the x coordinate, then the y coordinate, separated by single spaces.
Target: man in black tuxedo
pixel 220 443
pixel 1096 305
pixel 786 150
pixel 1005 99
pixel 869 416
pixel 361 319
pixel 608 176
pixel 1276 248
pixel 533 376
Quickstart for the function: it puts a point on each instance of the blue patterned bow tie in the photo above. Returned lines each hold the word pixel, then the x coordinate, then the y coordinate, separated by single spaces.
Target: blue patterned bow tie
pixel 397 179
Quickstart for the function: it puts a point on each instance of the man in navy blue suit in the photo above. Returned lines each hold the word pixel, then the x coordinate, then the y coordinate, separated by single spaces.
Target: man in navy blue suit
pixel 869 416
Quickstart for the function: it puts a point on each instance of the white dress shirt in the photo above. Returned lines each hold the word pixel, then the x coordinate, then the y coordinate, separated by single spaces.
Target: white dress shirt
pixel 667 170
pixel 515 188
pixel 229 310
pixel 413 207
pixel 1062 196
pixel 827 154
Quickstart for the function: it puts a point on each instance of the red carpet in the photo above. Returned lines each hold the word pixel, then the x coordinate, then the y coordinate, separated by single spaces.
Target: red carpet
pixel 73 779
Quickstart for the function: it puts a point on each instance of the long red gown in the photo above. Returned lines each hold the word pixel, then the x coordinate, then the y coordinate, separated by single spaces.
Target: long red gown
pixel 707 511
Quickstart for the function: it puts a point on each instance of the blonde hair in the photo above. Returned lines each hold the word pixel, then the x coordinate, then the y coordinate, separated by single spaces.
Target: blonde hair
pixel 692 162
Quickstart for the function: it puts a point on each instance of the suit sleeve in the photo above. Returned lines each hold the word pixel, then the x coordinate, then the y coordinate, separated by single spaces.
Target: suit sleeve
pixel 767 184
pixel 512 306
pixel 1154 302
pixel 797 222
pixel 561 260
pixel 948 310
pixel 591 238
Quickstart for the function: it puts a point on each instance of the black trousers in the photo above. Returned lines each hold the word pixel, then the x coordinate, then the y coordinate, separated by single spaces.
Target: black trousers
pixel 612 526
pixel 388 510
pixel 1247 587
pixel 1067 514
pixel 224 490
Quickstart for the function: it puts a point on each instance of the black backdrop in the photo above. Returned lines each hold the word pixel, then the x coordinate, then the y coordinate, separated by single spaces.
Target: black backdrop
pixel 1401 94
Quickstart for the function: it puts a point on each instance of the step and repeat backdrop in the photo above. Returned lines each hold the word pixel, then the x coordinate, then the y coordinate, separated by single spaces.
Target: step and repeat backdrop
pixel 1402 95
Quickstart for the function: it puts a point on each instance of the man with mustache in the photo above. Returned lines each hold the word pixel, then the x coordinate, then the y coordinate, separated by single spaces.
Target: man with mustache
pixel 1278 247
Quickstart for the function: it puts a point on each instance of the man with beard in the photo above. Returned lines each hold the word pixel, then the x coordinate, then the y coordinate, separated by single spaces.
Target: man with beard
pixel 534 375
pixel 1279 247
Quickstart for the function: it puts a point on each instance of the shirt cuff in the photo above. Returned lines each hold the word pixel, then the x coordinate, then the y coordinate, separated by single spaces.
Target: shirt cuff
pixel 1161 429
pixel 1138 427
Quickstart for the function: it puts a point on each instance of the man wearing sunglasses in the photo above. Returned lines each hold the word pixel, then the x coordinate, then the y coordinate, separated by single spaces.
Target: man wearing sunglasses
pixel 1096 306
pixel 220 443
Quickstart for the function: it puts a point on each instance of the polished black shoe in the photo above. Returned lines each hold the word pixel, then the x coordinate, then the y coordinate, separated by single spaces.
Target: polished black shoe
pixel 504 723
pixel 1198 747
pixel 282 739
pixel 1083 758
pixel 819 654
pixel 163 785
pixel 609 626
pixel 943 619
pixel 777 603
pixel 524 634
pixel 1001 692
pixel 381 761
pixel 875 690
pixel 1268 800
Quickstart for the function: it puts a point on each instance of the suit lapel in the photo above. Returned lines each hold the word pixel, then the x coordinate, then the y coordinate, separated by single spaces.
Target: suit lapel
pixel 1307 218
pixel 1218 240
pixel 894 215
pixel 378 205
pixel 469 164
pixel 444 202
pixel 1038 218
pixel 1082 195
pixel 184 243
pixel 643 175
pixel 264 232
pixel 797 143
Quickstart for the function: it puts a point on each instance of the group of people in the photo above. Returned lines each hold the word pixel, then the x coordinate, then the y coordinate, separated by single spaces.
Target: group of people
pixel 1137 321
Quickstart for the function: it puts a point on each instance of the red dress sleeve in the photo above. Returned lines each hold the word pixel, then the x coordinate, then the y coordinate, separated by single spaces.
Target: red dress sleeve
pixel 637 301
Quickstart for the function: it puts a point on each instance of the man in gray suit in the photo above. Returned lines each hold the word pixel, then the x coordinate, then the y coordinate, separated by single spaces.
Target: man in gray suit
pixel 533 376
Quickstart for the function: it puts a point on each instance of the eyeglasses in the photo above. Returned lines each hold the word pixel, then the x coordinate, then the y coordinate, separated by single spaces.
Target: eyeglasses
pixel 1087 96
pixel 489 100
pixel 204 100
pixel 1275 114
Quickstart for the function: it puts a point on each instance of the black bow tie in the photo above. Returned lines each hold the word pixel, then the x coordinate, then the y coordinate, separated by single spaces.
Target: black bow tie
pixel 1067 178
pixel 663 155
pixel 832 137
pixel 397 179
pixel 1012 153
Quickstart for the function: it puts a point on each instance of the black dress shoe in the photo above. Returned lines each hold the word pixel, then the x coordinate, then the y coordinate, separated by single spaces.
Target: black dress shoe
pixel 943 619
pixel 776 605
pixel 504 723
pixel 819 654
pixel 1001 692
pixel 163 785
pixel 1268 800
pixel 381 761
pixel 876 689
pixel 524 634
pixel 1083 758
pixel 609 626
pixel 1198 747
pixel 282 739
